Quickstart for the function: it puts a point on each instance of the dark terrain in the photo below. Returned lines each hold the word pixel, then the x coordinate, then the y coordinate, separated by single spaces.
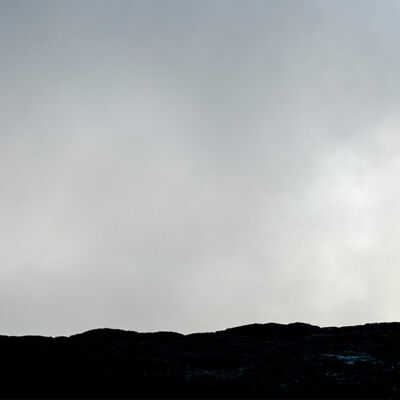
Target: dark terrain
pixel 270 360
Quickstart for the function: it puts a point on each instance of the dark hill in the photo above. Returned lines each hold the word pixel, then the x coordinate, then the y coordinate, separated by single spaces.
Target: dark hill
pixel 258 360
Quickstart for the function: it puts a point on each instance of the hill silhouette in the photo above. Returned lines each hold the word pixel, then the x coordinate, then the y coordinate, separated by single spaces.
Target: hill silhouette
pixel 259 360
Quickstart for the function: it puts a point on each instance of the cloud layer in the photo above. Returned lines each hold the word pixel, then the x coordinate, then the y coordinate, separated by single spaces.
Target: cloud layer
pixel 190 166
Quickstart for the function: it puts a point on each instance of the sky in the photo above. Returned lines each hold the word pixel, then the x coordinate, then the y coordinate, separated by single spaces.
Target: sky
pixel 197 165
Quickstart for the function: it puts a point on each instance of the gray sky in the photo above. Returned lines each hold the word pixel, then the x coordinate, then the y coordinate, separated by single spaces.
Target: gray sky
pixel 196 165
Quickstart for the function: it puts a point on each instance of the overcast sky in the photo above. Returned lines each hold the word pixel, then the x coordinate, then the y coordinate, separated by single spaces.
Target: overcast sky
pixel 197 165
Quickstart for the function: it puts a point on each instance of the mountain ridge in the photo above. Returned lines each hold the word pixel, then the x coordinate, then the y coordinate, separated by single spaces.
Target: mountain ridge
pixel 255 325
pixel 257 360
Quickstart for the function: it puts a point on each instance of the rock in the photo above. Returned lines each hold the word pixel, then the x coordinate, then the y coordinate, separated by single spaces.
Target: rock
pixel 259 360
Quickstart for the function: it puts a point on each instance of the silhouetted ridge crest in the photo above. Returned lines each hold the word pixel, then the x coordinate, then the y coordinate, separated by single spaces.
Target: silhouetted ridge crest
pixel 96 334
pixel 110 335
pixel 272 330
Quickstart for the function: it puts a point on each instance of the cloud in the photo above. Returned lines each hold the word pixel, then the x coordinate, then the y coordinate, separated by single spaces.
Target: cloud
pixel 192 166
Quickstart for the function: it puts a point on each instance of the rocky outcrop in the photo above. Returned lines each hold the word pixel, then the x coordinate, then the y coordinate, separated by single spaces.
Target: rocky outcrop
pixel 259 361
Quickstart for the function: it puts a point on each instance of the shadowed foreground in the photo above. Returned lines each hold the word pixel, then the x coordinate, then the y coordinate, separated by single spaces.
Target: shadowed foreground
pixel 270 360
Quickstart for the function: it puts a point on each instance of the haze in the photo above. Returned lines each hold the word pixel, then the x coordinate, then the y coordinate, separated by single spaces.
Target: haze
pixel 197 165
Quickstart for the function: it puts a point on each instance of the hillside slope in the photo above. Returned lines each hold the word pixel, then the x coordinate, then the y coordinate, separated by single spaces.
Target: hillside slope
pixel 259 360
